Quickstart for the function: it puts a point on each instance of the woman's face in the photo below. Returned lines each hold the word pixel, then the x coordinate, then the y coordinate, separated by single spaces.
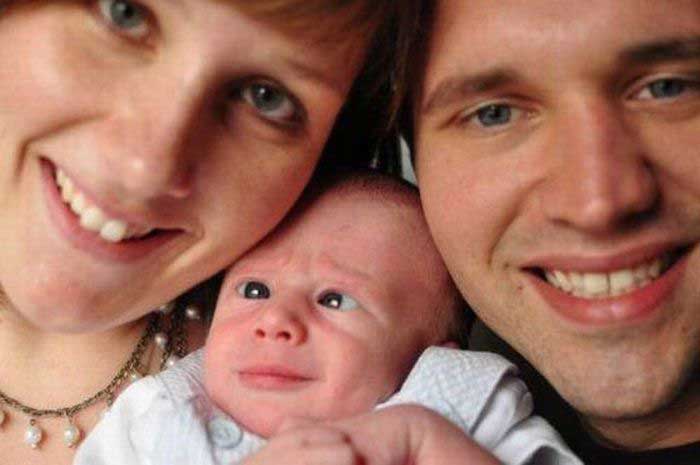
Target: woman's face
pixel 145 146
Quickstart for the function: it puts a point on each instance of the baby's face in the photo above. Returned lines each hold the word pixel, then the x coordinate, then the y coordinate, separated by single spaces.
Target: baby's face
pixel 325 318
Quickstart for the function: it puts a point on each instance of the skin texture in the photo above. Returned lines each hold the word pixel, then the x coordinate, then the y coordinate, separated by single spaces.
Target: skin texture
pixel 378 255
pixel 590 171
pixel 151 123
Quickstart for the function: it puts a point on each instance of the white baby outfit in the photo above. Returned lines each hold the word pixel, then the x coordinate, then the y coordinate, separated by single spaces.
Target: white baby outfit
pixel 167 419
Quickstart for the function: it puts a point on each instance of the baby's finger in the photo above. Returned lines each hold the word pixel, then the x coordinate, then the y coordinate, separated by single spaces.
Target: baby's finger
pixel 335 454
pixel 311 436
pixel 295 422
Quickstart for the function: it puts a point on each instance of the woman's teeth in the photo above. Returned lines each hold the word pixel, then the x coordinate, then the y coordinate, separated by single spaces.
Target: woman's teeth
pixel 92 218
pixel 604 285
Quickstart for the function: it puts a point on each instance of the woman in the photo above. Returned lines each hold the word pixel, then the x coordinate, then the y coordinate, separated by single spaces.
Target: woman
pixel 143 147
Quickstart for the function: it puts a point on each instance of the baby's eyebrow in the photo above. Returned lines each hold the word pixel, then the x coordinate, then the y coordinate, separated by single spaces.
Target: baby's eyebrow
pixel 675 49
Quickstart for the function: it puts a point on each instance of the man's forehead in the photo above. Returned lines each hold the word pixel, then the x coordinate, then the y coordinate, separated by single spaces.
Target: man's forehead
pixel 482 45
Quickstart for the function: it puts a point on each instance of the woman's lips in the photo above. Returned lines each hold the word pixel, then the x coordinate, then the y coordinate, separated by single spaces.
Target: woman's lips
pixel 639 304
pixel 68 225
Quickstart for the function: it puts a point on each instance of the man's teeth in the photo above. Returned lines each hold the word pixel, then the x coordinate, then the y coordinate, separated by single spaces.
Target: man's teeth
pixel 92 218
pixel 603 285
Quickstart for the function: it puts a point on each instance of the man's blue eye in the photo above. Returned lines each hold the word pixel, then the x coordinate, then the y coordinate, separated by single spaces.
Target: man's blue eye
pixel 667 88
pixel 338 301
pixel 254 290
pixel 494 115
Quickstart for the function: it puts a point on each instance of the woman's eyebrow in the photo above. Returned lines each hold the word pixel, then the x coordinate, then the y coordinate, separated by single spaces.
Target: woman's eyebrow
pixel 309 72
pixel 460 86
pixel 677 49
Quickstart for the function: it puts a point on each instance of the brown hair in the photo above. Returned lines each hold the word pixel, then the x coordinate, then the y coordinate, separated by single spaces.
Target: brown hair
pixel 365 133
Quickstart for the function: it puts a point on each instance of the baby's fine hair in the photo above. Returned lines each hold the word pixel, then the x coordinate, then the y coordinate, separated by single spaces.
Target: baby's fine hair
pixel 375 185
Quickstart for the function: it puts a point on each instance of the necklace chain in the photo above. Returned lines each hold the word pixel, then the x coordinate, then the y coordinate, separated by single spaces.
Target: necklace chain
pixel 172 341
pixel 106 393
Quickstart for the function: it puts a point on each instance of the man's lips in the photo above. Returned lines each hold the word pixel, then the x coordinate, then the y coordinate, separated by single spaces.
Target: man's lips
pixel 612 296
pixel 272 377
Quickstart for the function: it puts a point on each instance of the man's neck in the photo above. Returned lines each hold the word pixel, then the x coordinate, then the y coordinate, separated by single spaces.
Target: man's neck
pixel 678 424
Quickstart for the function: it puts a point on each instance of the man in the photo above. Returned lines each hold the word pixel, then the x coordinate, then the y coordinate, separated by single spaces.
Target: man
pixel 558 154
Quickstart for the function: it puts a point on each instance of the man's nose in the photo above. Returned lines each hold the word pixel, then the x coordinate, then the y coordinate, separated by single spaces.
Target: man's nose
pixel 278 323
pixel 601 178
pixel 154 131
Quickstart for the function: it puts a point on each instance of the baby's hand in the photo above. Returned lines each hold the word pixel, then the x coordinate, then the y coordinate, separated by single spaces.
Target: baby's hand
pixel 307 445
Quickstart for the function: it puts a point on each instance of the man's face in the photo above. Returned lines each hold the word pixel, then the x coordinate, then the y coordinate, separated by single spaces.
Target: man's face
pixel 558 155
pixel 325 318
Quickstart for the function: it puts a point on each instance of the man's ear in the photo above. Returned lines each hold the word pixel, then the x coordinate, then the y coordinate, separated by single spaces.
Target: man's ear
pixel 449 344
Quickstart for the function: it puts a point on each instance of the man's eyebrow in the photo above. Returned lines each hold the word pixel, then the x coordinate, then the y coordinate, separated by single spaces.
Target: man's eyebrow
pixel 457 87
pixel 666 50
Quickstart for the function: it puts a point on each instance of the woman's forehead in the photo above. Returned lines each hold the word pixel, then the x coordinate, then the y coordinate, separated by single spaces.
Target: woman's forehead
pixel 323 19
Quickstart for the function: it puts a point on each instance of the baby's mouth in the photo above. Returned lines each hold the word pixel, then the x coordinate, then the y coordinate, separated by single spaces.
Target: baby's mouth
pixel 92 218
pixel 613 283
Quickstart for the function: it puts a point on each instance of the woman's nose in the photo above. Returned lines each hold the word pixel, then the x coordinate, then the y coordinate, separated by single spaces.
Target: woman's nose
pixel 280 324
pixel 154 133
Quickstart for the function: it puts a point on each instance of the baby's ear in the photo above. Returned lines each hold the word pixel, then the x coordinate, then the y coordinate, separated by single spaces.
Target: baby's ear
pixel 450 345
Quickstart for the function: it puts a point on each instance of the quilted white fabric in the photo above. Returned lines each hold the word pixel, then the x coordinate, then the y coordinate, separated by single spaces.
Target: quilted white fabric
pixel 167 419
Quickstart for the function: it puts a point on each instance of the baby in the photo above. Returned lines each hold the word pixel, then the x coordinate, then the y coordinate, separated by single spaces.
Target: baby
pixel 346 308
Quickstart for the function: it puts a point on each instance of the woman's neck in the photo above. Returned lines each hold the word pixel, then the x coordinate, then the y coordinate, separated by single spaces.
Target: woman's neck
pixel 51 369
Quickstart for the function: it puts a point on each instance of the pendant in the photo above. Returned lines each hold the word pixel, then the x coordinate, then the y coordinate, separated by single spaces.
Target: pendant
pixel 71 435
pixel 161 340
pixel 171 361
pixel 33 434
pixel 192 312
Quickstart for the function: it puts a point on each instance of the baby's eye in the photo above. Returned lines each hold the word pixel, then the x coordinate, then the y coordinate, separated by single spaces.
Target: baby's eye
pixel 271 102
pixel 338 301
pixel 253 290
pixel 125 16
pixel 665 88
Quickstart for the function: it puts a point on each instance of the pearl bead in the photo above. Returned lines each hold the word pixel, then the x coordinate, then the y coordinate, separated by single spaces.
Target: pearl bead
pixel 192 312
pixel 172 360
pixel 71 435
pixel 166 307
pixel 32 436
pixel 161 340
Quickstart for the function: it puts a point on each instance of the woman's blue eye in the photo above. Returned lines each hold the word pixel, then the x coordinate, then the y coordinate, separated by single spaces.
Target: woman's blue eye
pixel 270 102
pixel 253 290
pixel 126 16
pixel 667 88
pixel 338 301
pixel 494 115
